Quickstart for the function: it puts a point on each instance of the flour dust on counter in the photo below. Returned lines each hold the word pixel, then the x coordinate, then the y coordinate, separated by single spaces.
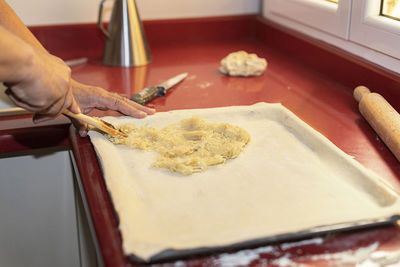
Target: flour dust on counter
pixel 288 175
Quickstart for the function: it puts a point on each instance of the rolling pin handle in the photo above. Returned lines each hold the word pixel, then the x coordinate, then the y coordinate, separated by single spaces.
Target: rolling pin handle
pixel 360 91
pixel 382 117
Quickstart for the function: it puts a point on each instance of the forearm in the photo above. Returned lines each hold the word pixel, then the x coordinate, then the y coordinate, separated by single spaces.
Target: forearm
pixel 15 57
pixel 10 21
pixel 42 83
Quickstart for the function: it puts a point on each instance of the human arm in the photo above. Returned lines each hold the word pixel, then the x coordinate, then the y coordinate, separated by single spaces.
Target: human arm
pixel 86 96
pixel 36 80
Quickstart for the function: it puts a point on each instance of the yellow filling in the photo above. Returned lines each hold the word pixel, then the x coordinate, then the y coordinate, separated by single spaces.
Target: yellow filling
pixel 188 146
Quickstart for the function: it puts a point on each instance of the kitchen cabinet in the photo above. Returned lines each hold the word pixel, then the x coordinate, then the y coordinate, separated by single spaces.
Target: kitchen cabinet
pixel 42 223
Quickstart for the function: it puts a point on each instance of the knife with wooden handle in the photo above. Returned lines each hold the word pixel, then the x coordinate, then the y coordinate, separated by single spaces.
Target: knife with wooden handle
pixel 147 94
pixel 382 117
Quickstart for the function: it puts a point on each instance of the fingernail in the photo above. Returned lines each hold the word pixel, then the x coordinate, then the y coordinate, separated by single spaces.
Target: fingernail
pixel 76 109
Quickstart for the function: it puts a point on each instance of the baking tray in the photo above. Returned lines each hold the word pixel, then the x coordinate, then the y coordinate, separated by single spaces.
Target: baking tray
pixel 341 195
pixel 171 255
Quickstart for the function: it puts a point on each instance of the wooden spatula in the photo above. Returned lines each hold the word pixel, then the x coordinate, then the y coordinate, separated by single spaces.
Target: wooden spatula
pixel 99 124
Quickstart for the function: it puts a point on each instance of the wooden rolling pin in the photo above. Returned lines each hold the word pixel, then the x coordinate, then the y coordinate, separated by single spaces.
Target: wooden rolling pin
pixel 382 117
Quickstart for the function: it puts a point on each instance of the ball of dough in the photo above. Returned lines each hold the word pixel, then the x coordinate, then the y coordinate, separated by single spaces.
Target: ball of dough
pixel 244 64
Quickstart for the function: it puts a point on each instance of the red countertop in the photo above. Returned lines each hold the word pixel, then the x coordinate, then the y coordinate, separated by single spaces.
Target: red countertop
pixel 312 79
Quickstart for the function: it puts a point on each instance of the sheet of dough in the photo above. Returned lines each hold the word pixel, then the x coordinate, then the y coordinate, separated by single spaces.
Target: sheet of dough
pixel 289 178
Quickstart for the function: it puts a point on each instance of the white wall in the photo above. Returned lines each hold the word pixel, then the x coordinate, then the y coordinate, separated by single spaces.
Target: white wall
pixel 50 12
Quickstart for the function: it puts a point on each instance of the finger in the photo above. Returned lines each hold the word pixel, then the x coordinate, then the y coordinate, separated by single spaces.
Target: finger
pixel 73 107
pixel 50 113
pixel 19 102
pixel 90 97
pixel 22 104
pixel 54 109
pixel 125 108
pixel 148 110
pixel 125 100
pixel 86 110
pixel 16 92
pixel 62 103
pixel 70 102
pixel 116 101
pixel 38 118
pixel 124 105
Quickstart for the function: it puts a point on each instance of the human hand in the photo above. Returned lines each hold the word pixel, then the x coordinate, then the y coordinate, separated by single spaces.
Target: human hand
pixel 93 97
pixel 44 87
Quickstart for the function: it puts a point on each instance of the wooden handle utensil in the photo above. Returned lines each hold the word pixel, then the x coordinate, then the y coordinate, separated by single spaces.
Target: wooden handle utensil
pixel 97 123
pixel 382 117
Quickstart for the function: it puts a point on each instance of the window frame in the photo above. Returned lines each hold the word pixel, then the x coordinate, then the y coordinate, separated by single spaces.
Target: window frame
pixel 370 29
pixel 331 18
pixel 383 55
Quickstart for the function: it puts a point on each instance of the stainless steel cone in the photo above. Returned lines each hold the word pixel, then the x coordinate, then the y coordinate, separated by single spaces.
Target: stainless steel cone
pixel 126 43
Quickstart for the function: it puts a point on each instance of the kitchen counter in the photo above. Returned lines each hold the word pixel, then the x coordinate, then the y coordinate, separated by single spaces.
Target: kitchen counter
pixel 310 78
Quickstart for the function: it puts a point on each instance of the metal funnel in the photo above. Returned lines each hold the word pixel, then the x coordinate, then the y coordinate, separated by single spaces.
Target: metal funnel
pixel 126 43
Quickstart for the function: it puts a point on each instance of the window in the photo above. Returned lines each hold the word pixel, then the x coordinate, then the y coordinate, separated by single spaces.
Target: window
pixel 324 15
pixel 367 28
pixel 391 9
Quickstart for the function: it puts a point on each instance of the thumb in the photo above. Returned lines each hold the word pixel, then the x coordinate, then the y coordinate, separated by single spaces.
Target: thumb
pixel 74 107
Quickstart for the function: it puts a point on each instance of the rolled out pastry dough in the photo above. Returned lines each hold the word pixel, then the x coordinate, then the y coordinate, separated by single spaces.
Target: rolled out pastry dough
pixel 288 179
